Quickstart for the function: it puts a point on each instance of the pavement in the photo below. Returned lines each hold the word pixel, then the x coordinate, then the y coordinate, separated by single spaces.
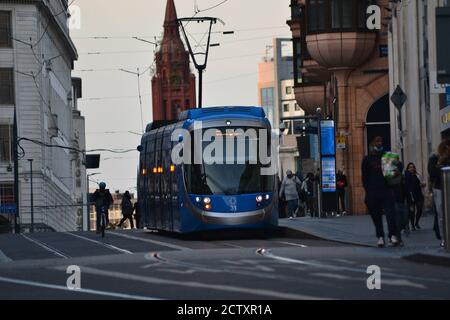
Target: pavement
pixel 420 246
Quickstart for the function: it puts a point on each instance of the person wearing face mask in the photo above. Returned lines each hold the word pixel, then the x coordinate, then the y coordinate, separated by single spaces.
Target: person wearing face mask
pixel 379 197
pixel 289 190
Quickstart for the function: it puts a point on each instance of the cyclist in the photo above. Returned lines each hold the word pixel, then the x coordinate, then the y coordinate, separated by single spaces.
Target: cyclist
pixel 103 201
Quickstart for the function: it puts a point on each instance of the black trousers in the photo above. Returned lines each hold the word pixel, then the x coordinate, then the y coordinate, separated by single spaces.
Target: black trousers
pixel 341 196
pixel 415 212
pixel 127 217
pixel 380 203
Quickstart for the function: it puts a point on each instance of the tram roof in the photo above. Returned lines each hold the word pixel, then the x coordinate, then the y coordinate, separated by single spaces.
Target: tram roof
pixel 195 114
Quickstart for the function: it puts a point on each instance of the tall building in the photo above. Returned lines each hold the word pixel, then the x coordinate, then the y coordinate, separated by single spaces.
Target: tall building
pixel 276 97
pixel 36 60
pixel 173 86
pixel 413 67
pixel 341 66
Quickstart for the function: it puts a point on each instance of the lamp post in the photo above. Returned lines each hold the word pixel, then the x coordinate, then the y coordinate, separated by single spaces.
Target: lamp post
pixel 31 196
pixel 16 177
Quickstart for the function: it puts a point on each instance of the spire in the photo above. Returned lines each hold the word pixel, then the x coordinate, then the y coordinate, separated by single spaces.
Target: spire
pixel 171 13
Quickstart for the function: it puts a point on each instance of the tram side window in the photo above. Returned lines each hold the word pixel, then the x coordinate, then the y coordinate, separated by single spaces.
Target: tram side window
pixel 158 164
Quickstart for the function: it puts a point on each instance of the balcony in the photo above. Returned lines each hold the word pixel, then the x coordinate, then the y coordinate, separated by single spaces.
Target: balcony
pixel 310 96
pixel 341 50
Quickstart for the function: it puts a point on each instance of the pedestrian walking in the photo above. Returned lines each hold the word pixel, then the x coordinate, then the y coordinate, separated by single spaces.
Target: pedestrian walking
pixel 282 201
pixel 289 189
pixel 308 190
pixel 435 165
pixel 400 221
pixel 137 214
pixel 414 196
pixel 342 184
pixel 379 198
pixel 127 210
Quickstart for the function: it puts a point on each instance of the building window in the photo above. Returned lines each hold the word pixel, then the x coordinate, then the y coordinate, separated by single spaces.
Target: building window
pixel 286 107
pixel 316 15
pixel 6 87
pixel 288 90
pixel 6 135
pixel 5 29
pixel 296 10
pixel 6 194
pixel 298 61
pixel 337 15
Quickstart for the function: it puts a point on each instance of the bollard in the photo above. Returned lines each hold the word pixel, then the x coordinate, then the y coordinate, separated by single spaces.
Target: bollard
pixel 446 204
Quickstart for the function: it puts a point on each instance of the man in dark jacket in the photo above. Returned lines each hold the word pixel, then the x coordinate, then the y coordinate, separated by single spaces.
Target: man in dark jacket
pixel 103 200
pixel 379 197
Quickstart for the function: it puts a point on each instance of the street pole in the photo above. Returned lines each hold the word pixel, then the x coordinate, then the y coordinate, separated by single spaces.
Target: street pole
pixel 16 176
pixel 31 196
pixel 200 88
pixel 446 203
pixel 319 193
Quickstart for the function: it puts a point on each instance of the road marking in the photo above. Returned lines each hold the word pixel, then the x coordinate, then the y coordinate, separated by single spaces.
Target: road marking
pixel 232 245
pixel 87 291
pixel 4 258
pixel 106 245
pixel 193 284
pixel 293 244
pixel 268 254
pixel 46 247
pixel 164 244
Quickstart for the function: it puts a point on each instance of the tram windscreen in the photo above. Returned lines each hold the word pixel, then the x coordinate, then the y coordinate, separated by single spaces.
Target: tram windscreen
pixel 229 168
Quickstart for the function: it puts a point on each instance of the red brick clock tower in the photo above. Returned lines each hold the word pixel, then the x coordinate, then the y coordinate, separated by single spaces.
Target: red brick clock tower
pixel 173 86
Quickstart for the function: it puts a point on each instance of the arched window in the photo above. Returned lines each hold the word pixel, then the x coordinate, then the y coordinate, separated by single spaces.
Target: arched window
pixel 378 121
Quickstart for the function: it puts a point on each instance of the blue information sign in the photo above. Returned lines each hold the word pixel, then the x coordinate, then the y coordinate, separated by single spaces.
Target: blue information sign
pixel 8 209
pixel 329 175
pixel 328 138
pixel 447 90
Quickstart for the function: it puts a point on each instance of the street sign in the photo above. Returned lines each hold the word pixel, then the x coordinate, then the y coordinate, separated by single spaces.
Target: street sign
pixel 8 209
pixel 447 94
pixel 399 98
pixel 328 140
pixel 341 143
pixel 329 175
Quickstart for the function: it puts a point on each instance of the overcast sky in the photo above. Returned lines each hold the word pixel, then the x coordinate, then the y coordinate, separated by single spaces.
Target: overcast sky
pixel 110 97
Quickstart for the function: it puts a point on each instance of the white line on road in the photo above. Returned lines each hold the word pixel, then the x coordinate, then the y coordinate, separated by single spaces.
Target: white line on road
pixel 317 265
pixel 164 244
pixel 106 245
pixel 196 285
pixel 293 244
pixel 87 291
pixel 4 257
pixel 232 245
pixel 46 247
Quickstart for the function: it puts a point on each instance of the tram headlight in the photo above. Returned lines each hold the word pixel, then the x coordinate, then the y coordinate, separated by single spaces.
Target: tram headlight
pixel 208 207
pixel 207 201
pixel 267 197
pixel 259 199
pixel 198 199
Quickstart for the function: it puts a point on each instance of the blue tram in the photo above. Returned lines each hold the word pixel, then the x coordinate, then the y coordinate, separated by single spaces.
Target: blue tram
pixel 204 195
